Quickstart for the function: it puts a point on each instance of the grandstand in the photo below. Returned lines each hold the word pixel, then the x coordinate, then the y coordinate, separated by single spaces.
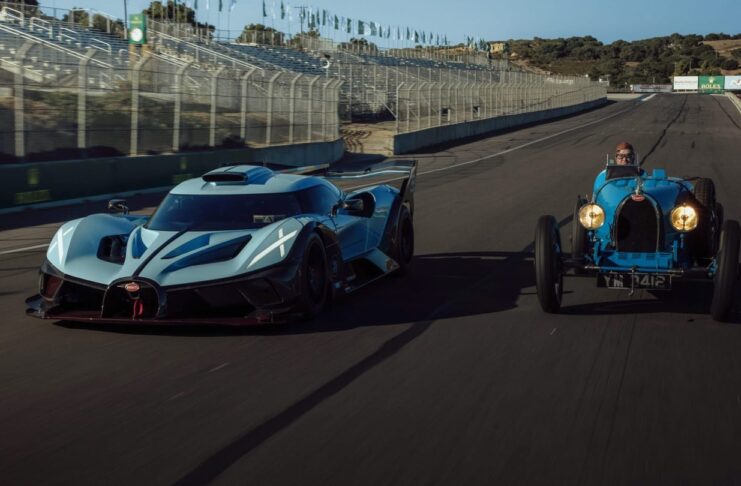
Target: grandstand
pixel 80 91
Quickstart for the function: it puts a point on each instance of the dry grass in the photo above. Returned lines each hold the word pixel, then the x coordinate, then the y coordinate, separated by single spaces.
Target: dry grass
pixel 724 47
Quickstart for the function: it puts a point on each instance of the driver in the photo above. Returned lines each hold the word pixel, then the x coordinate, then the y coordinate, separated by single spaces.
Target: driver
pixel 624 154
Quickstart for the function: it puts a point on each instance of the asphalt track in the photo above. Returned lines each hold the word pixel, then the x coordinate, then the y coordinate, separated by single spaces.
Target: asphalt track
pixel 451 375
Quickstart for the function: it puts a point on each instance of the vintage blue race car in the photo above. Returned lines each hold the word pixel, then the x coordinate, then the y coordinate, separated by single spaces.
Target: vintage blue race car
pixel 240 245
pixel 641 231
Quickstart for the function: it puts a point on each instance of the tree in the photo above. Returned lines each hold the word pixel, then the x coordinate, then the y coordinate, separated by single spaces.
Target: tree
pixel 730 64
pixel 362 44
pixel 260 34
pixel 28 7
pixel 714 36
pixel 681 67
pixel 99 22
pixel 177 13
pixel 171 12
pixel 305 39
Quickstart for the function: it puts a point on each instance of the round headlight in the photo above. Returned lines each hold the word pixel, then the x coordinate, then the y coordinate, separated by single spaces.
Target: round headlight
pixel 684 218
pixel 591 216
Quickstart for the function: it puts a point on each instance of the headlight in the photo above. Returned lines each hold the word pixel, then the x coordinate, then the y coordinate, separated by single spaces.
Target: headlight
pixel 684 218
pixel 591 216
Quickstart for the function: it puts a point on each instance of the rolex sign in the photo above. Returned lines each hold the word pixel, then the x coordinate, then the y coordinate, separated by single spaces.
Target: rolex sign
pixel 711 84
pixel 137 29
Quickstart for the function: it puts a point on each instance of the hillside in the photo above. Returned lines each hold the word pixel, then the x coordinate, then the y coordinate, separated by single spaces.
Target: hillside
pixel 653 60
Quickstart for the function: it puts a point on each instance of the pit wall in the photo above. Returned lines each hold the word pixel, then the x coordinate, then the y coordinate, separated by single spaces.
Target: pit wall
pixel 410 142
pixel 44 184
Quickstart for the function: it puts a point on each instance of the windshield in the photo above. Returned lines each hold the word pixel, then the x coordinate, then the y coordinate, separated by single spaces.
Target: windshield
pixel 180 212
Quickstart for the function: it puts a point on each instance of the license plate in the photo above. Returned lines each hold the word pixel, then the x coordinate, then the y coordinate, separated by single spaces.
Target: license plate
pixel 630 281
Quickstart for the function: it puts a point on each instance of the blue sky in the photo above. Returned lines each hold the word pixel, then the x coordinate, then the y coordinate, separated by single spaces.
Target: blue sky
pixel 490 20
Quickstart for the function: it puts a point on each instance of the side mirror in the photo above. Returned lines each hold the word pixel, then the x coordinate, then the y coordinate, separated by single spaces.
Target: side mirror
pixel 118 206
pixel 354 205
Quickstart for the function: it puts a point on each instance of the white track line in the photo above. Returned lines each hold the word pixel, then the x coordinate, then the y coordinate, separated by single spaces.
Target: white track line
pixel 453 166
pixel 19 250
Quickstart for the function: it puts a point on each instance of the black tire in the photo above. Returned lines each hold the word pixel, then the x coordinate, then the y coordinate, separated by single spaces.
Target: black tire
pixel 548 269
pixel 704 192
pixel 719 215
pixel 314 278
pixel 578 234
pixel 726 273
pixel 717 225
pixel 705 236
pixel 404 251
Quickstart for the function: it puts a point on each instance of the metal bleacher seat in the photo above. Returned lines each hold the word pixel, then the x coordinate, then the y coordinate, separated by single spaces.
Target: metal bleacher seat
pixel 75 37
pixel 282 58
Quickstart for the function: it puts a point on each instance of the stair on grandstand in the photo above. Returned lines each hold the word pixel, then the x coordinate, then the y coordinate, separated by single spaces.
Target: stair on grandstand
pixel 74 37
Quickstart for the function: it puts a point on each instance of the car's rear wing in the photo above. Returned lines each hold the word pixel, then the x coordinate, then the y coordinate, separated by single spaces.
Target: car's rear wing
pixel 390 167
pixel 398 170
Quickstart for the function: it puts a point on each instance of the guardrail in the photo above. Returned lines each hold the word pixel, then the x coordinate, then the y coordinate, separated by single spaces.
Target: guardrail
pixel 734 99
pixel 49 184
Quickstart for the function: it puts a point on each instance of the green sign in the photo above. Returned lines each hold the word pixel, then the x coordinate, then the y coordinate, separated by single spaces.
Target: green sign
pixel 711 84
pixel 137 29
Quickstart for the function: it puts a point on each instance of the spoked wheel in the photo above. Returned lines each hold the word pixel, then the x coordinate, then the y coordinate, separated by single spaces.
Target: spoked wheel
pixel 405 243
pixel 578 235
pixel 727 271
pixel 548 268
pixel 314 281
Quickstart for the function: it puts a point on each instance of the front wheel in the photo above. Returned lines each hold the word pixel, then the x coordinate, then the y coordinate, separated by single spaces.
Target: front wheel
pixel 548 269
pixel 313 279
pixel 726 272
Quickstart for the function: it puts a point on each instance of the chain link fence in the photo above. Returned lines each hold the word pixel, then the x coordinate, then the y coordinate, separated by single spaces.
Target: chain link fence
pixel 61 101
pixel 426 104
pixel 55 106
pixel 370 82
pixel 68 91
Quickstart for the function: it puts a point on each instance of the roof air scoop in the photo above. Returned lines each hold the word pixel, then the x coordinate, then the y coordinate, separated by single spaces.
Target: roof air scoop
pixel 239 174
pixel 225 177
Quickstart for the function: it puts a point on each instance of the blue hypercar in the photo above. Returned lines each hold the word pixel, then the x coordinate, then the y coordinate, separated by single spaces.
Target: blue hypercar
pixel 242 244
pixel 641 231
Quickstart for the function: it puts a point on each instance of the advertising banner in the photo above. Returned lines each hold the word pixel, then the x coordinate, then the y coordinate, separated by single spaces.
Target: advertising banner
pixel 137 29
pixel 733 83
pixel 711 84
pixel 686 83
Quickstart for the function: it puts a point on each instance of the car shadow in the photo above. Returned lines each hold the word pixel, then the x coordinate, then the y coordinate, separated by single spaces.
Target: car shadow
pixel 692 298
pixel 442 286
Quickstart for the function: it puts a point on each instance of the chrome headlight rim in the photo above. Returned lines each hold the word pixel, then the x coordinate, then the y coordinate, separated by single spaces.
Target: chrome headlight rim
pixel 684 218
pixel 591 216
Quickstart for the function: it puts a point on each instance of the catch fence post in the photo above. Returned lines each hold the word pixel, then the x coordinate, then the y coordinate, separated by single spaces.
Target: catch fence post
pixel 179 76
pixel 212 128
